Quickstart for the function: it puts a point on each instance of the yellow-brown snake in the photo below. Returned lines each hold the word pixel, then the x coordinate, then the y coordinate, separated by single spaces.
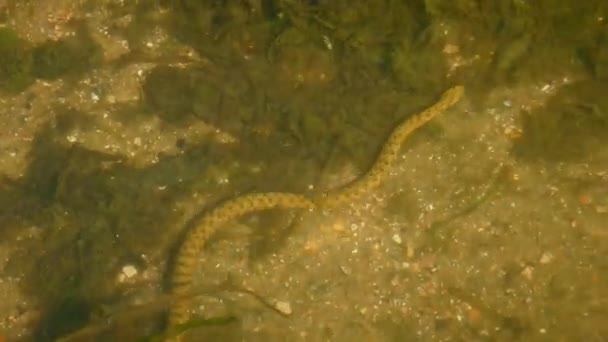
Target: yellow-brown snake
pixel 209 223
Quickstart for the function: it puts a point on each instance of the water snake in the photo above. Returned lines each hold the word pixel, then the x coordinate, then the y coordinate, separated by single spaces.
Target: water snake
pixel 209 223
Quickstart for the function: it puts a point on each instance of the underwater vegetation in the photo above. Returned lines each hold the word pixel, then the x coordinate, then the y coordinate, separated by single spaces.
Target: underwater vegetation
pixel 572 127
pixel 15 62
pixel 22 62
pixel 71 56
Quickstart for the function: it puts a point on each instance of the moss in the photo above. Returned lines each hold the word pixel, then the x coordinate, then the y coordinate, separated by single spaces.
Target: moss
pixel 168 92
pixel 74 55
pixel 15 62
pixel 95 214
pixel 65 316
pixel 418 66
pixel 571 127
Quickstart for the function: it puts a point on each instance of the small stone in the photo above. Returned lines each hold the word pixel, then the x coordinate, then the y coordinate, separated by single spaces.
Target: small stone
pixel 346 270
pixel 546 258
pixel 397 238
pixel 528 272
pixel 129 271
pixel 284 307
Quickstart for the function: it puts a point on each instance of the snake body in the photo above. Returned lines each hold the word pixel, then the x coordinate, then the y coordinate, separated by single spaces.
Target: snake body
pixel 209 223
pixel 389 153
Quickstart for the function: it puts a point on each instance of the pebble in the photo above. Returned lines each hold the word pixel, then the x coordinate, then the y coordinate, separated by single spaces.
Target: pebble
pixel 528 272
pixel 127 271
pixel 546 258
pixel 284 307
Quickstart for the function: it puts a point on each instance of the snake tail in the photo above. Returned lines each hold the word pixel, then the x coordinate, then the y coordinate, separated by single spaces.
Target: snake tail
pixel 195 239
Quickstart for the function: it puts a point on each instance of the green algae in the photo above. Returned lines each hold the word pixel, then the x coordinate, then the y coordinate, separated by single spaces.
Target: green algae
pixel 69 56
pixel 15 62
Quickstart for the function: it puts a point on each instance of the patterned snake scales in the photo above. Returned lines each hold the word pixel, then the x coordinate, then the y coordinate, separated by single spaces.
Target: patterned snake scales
pixel 209 223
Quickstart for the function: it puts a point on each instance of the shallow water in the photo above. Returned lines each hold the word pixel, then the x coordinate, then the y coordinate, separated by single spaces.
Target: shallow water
pixel 122 122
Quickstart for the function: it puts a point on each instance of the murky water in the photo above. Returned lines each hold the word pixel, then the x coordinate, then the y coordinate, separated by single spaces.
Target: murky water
pixel 124 121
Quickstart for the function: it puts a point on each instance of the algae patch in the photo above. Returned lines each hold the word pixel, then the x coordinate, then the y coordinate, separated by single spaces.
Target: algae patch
pixel 15 62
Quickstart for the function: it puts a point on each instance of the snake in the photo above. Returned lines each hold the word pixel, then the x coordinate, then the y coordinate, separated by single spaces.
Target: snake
pixel 209 223
pixel 194 242
pixel 388 153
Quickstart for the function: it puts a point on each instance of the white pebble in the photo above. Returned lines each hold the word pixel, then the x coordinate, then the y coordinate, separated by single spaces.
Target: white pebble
pixel 284 307
pixel 546 258
pixel 397 238
pixel 129 271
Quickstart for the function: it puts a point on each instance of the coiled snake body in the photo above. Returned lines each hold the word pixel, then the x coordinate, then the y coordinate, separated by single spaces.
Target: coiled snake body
pixel 209 223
